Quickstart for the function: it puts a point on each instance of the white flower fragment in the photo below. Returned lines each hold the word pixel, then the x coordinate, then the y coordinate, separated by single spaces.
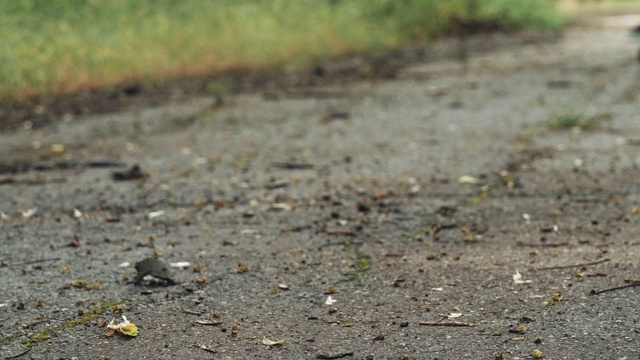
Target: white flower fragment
pixel 454 315
pixel 29 213
pixel 155 214
pixel 518 279
pixel 77 214
pixel 180 264
pixel 330 301
pixel 124 328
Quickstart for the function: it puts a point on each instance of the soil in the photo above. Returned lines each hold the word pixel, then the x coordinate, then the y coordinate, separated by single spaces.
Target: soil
pixel 432 214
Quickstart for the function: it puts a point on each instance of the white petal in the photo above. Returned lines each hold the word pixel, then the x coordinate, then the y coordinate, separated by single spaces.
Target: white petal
pixel 330 301
pixel 155 214
pixel 180 264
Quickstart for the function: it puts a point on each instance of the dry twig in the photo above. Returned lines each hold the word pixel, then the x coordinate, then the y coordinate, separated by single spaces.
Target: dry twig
pixel 445 323
pixel 289 165
pixel 340 232
pixel 632 282
pixel 572 266
pixel 18 355
pixel 3 263
pixel 188 311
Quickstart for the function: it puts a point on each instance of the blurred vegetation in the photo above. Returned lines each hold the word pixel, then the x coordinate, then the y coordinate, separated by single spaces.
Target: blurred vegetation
pixel 574 7
pixel 67 45
pixel 571 118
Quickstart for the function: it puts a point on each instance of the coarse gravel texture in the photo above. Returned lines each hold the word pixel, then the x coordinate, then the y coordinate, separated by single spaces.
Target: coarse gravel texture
pixel 351 191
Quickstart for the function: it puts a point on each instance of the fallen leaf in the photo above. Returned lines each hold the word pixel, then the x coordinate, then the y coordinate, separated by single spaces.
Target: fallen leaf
pixel 268 342
pixel 124 328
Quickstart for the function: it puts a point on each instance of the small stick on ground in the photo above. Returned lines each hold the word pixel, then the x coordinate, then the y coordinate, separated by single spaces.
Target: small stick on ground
pixel 343 243
pixel 446 323
pixel 18 355
pixel 598 292
pixel 187 311
pixel 572 266
pixel 340 232
pixel 291 165
pixel 335 356
pixel 544 245
pixel 2 264
pixel 33 324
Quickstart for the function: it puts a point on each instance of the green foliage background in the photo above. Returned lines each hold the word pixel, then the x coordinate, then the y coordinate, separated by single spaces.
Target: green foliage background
pixel 66 45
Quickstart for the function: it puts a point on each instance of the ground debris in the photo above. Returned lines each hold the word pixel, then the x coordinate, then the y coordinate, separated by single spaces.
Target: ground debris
pixel 241 268
pixel 18 355
pixel 155 268
pixel 124 328
pixel 191 312
pixel 22 167
pixel 31 181
pixel 339 355
pixel 208 322
pixel 276 184
pixel 290 165
pixel 631 283
pixel 335 116
pixel 208 348
pixel 575 265
pixel 112 218
pixel 543 245
pixel 555 297
pixel 446 323
pixel 3 263
pixel 341 232
pixel 134 173
pixel 268 342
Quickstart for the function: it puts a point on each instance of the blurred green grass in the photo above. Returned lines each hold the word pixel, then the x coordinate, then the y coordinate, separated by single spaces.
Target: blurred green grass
pixel 63 46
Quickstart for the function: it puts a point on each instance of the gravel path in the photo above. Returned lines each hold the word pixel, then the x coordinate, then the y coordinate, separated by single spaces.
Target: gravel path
pixel 438 215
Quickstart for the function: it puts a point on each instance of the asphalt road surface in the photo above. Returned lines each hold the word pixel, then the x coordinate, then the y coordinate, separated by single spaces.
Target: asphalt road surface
pixel 471 208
